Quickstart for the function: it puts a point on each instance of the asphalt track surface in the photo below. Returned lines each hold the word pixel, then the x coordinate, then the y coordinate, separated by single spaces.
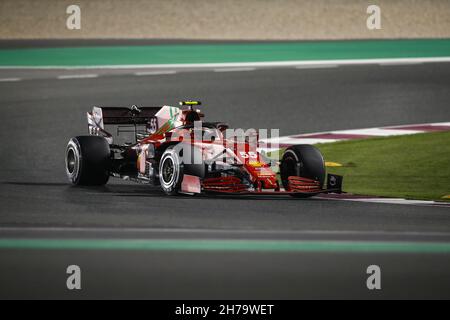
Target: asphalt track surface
pixel 39 114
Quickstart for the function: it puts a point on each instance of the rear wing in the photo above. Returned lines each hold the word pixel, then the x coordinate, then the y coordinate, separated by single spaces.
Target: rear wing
pixel 120 115
pixel 133 116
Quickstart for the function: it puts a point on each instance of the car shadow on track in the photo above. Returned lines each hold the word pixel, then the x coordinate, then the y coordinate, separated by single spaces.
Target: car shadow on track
pixel 127 189
pixel 38 184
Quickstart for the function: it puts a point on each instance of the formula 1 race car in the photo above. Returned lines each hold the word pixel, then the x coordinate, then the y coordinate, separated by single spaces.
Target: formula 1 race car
pixel 174 149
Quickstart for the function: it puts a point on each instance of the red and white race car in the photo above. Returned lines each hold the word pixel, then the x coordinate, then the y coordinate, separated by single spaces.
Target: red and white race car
pixel 174 149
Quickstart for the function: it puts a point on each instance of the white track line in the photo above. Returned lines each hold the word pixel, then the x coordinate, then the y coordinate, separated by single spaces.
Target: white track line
pixel 394 201
pixel 10 79
pixel 233 69
pixel 440 124
pixel 378 132
pixel 292 140
pixel 244 64
pixel 77 76
pixel 400 63
pixel 317 66
pixel 154 73
pixel 423 124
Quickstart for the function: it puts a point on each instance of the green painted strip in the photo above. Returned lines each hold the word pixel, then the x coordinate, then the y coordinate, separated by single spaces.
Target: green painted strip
pixel 223 53
pixel 227 245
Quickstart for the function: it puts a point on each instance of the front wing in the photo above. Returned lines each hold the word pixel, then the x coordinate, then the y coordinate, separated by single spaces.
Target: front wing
pixel 233 186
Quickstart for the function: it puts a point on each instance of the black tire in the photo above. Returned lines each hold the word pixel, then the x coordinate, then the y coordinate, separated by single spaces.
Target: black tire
pixel 171 171
pixel 88 160
pixel 303 161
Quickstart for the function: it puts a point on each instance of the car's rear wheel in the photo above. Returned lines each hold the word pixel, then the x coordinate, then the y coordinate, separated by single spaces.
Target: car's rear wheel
pixel 88 160
pixel 170 171
pixel 304 161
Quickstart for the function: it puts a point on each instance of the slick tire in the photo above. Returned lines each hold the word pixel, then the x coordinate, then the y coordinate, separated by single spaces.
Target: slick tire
pixel 88 161
pixel 303 161
pixel 171 171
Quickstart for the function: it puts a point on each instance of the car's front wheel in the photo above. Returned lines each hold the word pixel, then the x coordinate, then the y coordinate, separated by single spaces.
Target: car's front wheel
pixel 303 161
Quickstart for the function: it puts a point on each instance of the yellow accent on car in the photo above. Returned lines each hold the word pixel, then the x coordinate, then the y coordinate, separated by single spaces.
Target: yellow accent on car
pixel 190 103
pixel 255 164
pixel 332 164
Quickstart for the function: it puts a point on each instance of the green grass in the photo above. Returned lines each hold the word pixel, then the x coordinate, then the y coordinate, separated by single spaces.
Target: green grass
pixel 411 166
